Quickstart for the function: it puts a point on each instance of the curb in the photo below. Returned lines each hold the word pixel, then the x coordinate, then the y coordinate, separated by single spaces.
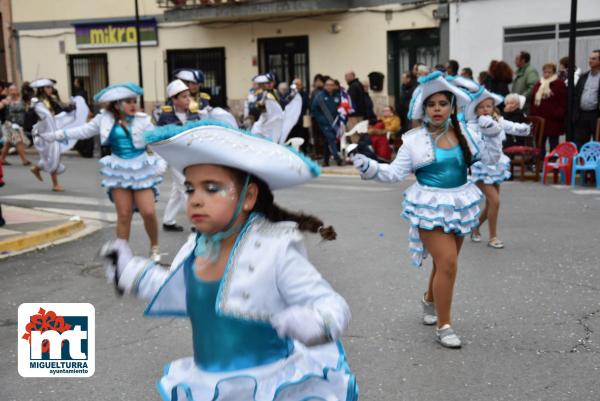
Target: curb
pixel 41 237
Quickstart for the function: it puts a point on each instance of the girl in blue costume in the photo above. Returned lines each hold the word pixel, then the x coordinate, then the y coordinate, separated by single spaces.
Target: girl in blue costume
pixel 265 324
pixel 442 206
pixel 488 177
pixel 131 175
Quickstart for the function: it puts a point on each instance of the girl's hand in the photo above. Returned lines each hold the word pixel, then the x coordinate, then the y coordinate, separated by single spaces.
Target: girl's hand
pixel 302 324
pixel 116 255
pixel 368 168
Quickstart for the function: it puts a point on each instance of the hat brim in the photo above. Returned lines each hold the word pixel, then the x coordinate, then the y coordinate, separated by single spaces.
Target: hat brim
pixel 432 87
pixel 41 83
pixel 278 166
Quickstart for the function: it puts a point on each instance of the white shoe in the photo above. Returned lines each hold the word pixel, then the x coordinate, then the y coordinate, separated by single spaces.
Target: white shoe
pixel 429 316
pixel 447 337
pixel 475 237
pixel 496 243
pixel 155 254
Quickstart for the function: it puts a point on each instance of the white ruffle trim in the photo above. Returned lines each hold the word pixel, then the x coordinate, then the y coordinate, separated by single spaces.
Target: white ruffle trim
pixel 455 210
pixel 141 172
pixel 316 373
pixel 494 174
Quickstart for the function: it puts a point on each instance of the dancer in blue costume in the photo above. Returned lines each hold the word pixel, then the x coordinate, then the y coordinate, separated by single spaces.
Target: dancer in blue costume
pixel 265 324
pixel 131 175
pixel 442 206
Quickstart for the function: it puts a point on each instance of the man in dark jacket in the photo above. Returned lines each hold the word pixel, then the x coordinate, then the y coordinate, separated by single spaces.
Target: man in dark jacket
pixel 357 95
pixel 324 110
pixel 587 102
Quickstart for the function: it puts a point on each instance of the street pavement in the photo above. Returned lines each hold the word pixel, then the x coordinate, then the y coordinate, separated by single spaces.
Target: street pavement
pixel 529 315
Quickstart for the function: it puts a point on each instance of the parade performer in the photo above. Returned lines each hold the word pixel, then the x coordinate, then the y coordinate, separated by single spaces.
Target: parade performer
pixel 194 80
pixel 178 113
pixel 265 324
pixel 442 206
pixel 12 129
pixel 53 115
pixel 131 175
pixel 489 176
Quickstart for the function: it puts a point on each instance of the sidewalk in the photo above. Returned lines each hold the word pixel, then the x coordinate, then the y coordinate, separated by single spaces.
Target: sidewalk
pixel 348 170
pixel 27 230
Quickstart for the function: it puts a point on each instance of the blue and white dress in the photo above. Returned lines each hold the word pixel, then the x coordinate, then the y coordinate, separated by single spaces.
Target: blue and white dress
pixel 442 197
pixel 129 166
pixel 237 353
pixel 498 172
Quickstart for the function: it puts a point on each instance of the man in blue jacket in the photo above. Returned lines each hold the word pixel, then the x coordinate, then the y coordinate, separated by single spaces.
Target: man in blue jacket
pixel 324 110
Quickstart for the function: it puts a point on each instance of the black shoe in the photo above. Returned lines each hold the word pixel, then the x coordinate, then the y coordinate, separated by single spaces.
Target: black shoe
pixel 339 162
pixel 326 164
pixel 2 221
pixel 172 228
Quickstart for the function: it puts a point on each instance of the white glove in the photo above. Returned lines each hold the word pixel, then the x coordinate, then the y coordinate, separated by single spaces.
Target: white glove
pixel 302 324
pixel 368 168
pixel 488 126
pixel 117 255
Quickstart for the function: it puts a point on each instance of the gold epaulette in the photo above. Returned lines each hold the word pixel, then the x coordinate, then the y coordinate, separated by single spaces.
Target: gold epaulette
pixel 204 96
pixel 166 108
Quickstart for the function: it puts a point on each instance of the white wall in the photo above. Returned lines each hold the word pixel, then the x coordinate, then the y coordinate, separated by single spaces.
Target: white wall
pixel 477 27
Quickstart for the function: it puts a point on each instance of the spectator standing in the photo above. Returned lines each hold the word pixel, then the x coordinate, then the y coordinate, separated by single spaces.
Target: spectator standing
pixel 12 129
pixel 357 95
pixel 369 105
pixel 549 101
pixel 452 68
pixel 317 136
pixel 526 77
pixel 408 85
pixel 563 71
pixel 79 90
pixel 500 78
pixel 283 93
pixel 324 110
pixel 31 118
pixel 587 101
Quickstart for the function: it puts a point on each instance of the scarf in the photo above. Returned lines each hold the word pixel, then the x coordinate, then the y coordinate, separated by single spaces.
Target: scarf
pixel 544 91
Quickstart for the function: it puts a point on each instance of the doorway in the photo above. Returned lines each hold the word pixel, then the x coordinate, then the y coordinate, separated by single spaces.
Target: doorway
pixel 287 57
pixel 211 61
pixel 92 71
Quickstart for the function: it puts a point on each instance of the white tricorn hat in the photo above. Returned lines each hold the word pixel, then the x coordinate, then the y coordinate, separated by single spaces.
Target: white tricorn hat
pixel 176 87
pixel 115 92
pixel 432 84
pixel 464 83
pixel 212 142
pixel 483 94
pixel 42 82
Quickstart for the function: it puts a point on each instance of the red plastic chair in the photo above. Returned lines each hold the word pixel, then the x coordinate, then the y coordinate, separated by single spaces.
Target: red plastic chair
pixel 560 160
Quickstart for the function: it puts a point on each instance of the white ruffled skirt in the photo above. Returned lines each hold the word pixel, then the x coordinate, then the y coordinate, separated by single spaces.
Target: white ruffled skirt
pixel 455 210
pixel 142 172
pixel 494 174
pixel 315 373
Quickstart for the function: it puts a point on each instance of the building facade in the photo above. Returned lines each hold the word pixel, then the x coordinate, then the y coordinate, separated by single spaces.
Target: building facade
pixel 232 40
pixel 64 39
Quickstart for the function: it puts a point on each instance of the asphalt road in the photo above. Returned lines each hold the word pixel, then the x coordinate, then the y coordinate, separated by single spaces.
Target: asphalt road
pixel 529 315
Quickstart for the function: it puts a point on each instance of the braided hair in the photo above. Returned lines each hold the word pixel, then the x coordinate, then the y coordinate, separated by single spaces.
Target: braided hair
pixel 265 204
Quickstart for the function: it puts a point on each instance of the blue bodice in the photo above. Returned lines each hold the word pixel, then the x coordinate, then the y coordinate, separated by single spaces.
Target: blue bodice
pixel 121 143
pixel 448 170
pixel 223 343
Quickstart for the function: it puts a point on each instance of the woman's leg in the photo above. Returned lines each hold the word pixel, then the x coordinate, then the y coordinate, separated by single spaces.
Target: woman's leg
pixel 144 200
pixel 123 199
pixel 443 249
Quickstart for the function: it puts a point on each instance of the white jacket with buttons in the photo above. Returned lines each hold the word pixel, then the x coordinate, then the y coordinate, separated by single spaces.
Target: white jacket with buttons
pixel 103 123
pixel 418 151
pixel 267 272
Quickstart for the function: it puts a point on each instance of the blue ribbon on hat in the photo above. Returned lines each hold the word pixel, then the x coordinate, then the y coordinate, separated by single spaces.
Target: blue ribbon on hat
pixel 210 245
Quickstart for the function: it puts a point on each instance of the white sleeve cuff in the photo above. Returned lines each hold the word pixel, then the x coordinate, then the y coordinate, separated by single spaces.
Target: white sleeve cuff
pixel 370 171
